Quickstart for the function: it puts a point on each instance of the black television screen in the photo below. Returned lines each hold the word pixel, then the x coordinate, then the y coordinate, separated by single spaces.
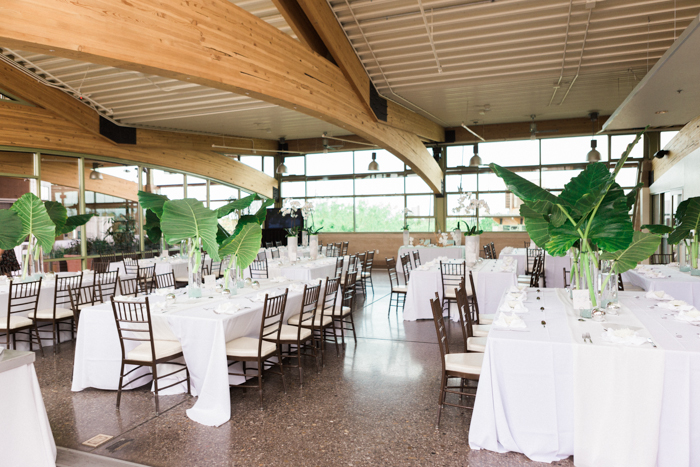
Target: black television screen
pixel 275 220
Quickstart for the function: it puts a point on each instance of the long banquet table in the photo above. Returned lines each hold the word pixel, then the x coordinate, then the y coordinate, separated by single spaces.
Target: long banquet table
pixel 163 265
pixel 201 332
pixel 491 278
pixel 546 393
pixel 429 253
pixel 680 285
pixel 304 269
pixel 553 265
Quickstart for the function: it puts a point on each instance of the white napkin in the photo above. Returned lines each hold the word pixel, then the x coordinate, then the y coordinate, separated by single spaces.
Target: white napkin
pixel 123 298
pixel 260 297
pixel 423 267
pixel 506 268
pixel 658 295
pixel 517 288
pixel 511 321
pixel 229 308
pixel 508 259
pixel 209 281
pixel 675 305
pixel 652 274
pixel 692 315
pixel 675 264
pixel 513 306
pixel 165 291
pixel 507 250
pixel 519 296
pixel 278 279
pixel 297 287
pixel 624 336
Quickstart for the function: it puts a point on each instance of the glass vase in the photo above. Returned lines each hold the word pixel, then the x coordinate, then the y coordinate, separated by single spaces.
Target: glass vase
pixel 194 268
pixel 406 237
pixel 304 238
pixel 683 265
pixel 608 287
pixel 292 248
pixel 313 246
pixel 585 290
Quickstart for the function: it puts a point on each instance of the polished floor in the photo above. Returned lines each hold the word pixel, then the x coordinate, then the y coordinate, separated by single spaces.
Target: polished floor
pixel 376 404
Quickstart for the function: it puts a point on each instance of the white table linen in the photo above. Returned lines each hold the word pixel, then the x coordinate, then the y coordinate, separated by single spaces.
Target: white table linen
pixel 26 439
pixel 304 270
pixel 429 253
pixel 680 285
pixel 201 332
pixel 553 265
pixel 163 266
pixel 547 394
pixel 489 279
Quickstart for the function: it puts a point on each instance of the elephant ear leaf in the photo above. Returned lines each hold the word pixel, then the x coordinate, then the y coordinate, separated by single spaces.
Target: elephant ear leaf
pixel 261 215
pixel 73 222
pixel 152 226
pixel 152 201
pixel 35 220
pixel 236 205
pixel 245 245
pixel 536 225
pixel 58 214
pixel 183 219
pixel 689 219
pixel 643 246
pixel 221 234
pixel 11 232
pixel 658 229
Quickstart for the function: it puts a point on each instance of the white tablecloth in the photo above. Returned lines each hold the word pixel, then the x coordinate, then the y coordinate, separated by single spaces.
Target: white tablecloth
pixel 429 253
pixel 545 393
pixel 203 335
pixel 680 285
pixel 304 270
pixel 489 280
pixel 25 434
pixel 553 265
pixel 163 266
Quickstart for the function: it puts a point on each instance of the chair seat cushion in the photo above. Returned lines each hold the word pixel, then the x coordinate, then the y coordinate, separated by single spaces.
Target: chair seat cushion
pixel 469 363
pixel 399 289
pixel 47 313
pixel 337 312
pixel 248 347
pixel 88 305
pixel 142 352
pixel 486 318
pixel 476 344
pixel 15 322
pixel 182 279
pixel 481 330
pixel 289 333
pixel 294 320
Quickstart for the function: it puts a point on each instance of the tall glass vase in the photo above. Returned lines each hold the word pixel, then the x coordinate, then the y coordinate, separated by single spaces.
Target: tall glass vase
pixel 292 248
pixel 32 260
pixel 194 268
pixel 304 238
pixel 231 276
pixel 406 237
pixel 608 286
pixel 585 290
pixel 313 246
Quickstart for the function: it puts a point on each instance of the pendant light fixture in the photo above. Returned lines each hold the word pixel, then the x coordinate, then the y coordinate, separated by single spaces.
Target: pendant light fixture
pixel 593 154
pixel 475 161
pixel 373 166
pixel 281 169
pixel 94 174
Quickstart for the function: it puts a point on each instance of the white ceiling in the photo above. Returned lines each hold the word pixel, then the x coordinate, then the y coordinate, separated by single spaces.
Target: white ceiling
pixel 670 88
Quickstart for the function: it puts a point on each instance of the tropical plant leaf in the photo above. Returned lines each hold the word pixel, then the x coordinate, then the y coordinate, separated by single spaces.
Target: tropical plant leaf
pixel 643 246
pixel 562 238
pixel 242 222
pixel 73 222
pixel 236 205
pixel 535 196
pixel 611 229
pixel 245 245
pixel 152 226
pixel 689 219
pixel 261 215
pixel 680 210
pixel 632 196
pixel 585 190
pixel 221 234
pixel 536 225
pixel 58 214
pixel 35 220
pixel 188 218
pixel 152 201
pixel 658 229
pixel 11 232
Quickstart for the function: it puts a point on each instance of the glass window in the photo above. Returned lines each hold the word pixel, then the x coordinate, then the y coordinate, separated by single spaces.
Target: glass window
pixel 464 182
pixel 169 184
pixel 20 163
pixel 502 224
pixel 415 184
pixel 295 165
pixel 329 188
pixel 252 161
pixel 627 177
pixel 459 156
pixel 420 205
pixel 511 153
pixel 222 192
pixel 453 221
pixel 379 214
pixel 197 188
pixel 666 137
pixel 269 165
pixel 293 189
pixel 335 163
pixel 571 150
pixel 618 146
pixel 553 179
pixel 381 185
pixel 501 204
pixel 422 224
pixel 491 182
pixel 333 214
pixel 387 161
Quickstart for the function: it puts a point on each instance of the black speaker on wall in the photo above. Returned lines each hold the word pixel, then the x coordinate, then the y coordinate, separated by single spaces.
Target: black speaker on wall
pixel 118 134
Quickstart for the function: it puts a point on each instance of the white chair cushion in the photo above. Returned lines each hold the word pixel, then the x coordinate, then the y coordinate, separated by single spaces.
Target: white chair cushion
pixel 450 293
pixel 366 274
pixel 182 279
pixel 481 330
pixel 486 318
pixel 469 363
pixel 88 305
pixel 476 344
pixel 294 320
pixel 248 347
pixel 399 289
pixel 289 333
pixel 142 352
pixel 339 311
pixel 15 322
pixel 47 313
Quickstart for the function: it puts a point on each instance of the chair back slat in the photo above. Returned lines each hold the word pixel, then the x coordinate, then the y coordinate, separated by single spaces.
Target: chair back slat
pixel 61 293
pixel 440 329
pixel 406 266
pixel 344 248
pixel 330 295
pixel 166 280
pixel 465 316
pixel 273 312
pixel 339 266
pixel 393 275
pixel 22 298
pixel 258 268
pixel 416 258
pixel 452 274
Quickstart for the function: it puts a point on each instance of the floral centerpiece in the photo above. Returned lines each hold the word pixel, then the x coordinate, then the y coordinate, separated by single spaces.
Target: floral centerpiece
pixel 468 204
pixel 406 233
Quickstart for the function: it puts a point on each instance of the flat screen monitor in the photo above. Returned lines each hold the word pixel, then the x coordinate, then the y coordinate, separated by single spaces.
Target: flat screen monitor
pixel 275 220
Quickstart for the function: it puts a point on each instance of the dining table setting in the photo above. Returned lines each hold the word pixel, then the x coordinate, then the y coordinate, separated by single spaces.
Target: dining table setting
pixel 554 266
pixel 304 268
pixel 668 278
pixel 177 264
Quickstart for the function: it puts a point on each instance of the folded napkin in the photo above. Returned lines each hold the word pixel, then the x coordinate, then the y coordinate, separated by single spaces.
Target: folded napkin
pixel 519 296
pixel 692 315
pixel 510 321
pixel 508 259
pixel 675 305
pixel 675 264
pixel 517 288
pixel 507 250
pixel 658 295
pixel 278 279
pixel 260 297
pixel 624 336
pixel 165 291
pixel 297 286
pixel 123 298
pixel 229 308
pixel 513 306
pixel 423 267
pixel 506 268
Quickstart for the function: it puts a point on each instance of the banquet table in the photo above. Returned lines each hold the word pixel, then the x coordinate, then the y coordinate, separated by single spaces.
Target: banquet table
pixel 553 265
pixel 680 285
pixel 546 393
pixel 304 269
pixel 163 265
pixel 489 278
pixel 429 253
pixel 201 332
pixel 26 439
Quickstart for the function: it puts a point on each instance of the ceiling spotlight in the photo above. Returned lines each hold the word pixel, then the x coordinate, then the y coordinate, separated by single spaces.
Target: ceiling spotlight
pixel 661 112
pixel 475 161
pixel 373 166
pixel 94 174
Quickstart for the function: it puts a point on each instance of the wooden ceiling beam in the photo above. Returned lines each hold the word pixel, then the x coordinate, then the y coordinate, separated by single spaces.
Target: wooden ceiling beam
pixel 215 44
pixel 302 27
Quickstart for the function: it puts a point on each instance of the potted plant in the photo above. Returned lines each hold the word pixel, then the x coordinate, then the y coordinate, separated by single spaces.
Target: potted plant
pixel 406 232
pixel 313 241
pixel 684 233
pixel 292 235
pixel 591 214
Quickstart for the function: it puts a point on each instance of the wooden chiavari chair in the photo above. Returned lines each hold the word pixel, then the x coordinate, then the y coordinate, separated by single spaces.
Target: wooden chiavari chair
pixel 487 252
pixel 278 244
pixel 146 275
pixel 265 350
pixel 258 268
pixel 339 266
pixel 398 291
pixel 321 325
pixel 106 283
pixel 22 299
pixel 342 311
pixel 480 323
pixel 62 310
pixel 416 258
pixel 470 341
pixel 133 320
pixel 406 266
pixel 131 265
pixel 493 251
pixel 344 248
pixel 662 258
pixel 130 287
pixel 268 245
pixel 361 260
pixel 465 366
pixel 366 273
pixel 163 281
pixel 275 253
pixel 451 275
pixel 567 277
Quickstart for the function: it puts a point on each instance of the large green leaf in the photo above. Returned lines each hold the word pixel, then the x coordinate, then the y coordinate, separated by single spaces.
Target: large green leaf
pixel 586 189
pixel 237 205
pixel 689 219
pixel 58 214
pixel 680 210
pixel 152 226
pixel 221 234
pixel 643 246
pixel 73 222
pixel 189 218
pixel 611 229
pixel 35 220
pixel 562 238
pixel 658 229
pixel 242 222
pixel 245 245
pixel 261 215
pixel 536 225
pixel 11 231
pixel 632 196
pixel 152 201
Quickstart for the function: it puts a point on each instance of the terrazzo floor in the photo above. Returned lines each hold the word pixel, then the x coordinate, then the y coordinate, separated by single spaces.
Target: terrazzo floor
pixel 374 405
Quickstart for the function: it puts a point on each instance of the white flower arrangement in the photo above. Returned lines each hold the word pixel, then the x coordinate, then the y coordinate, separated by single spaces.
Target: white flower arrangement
pixel 410 241
pixel 290 208
pixel 406 212
pixel 468 204
pixel 444 238
pixel 455 236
